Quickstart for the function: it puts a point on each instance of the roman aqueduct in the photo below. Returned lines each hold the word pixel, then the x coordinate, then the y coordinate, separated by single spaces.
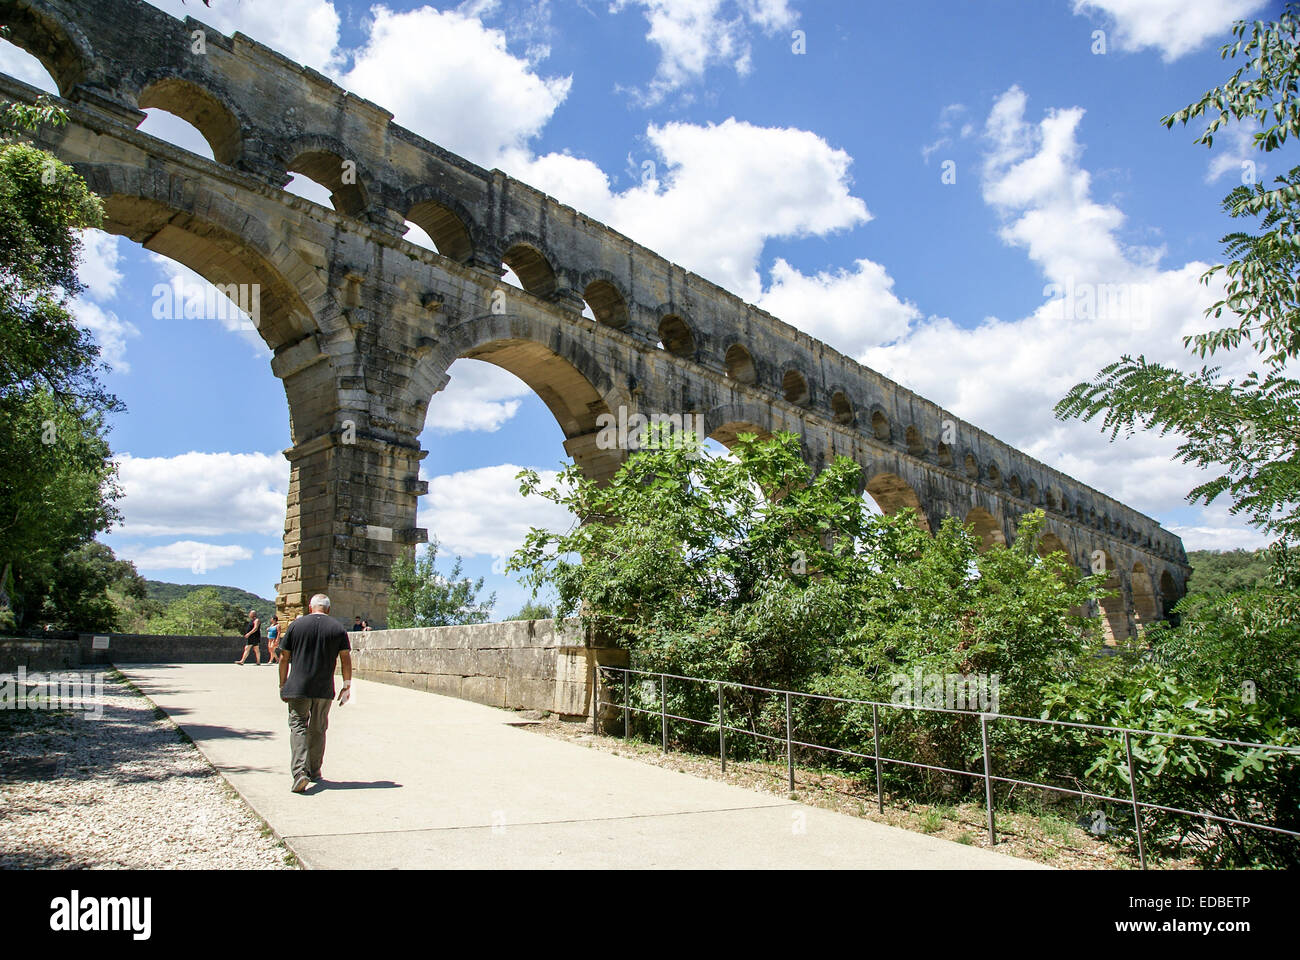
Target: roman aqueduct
pixel 363 324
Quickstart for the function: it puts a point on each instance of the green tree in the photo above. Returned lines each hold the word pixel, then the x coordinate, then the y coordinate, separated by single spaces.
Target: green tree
pixel 534 611
pixel 200 613
pixel 1245 432
pixel 420 596
pixel 1216 572
pixel 60 478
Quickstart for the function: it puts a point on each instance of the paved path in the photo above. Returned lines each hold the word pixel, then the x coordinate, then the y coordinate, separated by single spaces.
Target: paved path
pixel 416 780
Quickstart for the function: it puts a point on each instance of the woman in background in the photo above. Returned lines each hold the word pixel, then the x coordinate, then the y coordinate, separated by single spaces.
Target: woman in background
pixel 273 639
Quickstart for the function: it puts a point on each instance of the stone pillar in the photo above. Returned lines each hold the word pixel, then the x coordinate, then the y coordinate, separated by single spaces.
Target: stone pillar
pixel 351 511
pixel 596 463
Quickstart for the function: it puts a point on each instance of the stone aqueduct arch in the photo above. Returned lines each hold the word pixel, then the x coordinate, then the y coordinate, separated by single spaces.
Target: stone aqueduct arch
pixel 363 325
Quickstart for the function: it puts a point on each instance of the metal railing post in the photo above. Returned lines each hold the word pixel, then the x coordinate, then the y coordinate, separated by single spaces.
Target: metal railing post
pixel 595 697
pixel 875 748
pixel 1132 792
pixel 789 746
pixel 663 708
pixel 988 782
pixel 626 711
pixel 722 733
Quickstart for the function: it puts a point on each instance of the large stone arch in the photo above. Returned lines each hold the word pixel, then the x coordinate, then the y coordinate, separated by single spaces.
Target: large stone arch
pixel 1114 604
pixel 1146 609
pixel 555 365
pixel 987 528
pixel 221 241
pixel 726 422
pixel 892 493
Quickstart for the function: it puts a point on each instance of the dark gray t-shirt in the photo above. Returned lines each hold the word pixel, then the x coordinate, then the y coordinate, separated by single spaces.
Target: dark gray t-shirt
pixel 313 642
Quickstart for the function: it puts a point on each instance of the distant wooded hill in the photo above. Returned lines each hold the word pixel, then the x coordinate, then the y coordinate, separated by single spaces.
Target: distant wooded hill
pixel 166 593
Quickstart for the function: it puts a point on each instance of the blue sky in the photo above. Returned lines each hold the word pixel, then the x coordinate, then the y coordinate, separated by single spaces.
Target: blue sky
pixel 836 215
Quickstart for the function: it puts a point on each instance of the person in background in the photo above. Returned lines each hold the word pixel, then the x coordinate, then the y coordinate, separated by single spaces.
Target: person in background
pixel 365 626
pixel 308 653
pixel 252 638
pixel 273 640
pixel 357 625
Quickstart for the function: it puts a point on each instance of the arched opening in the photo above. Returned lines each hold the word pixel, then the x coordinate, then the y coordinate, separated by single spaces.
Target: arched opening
pixel 188 495
pixel 221 257
pixel 676 337
pixel 450 236
pixel 915 445
pixel 41 35
pixel 972 468
pixel 1050 543
pixel 485 425
pixel 727 433
pixel 1114 617
pixel 943 453
pixel 794 387
pixel 1145 608
pixel 739 364
pixel 892 493
pixel 201 110
pixel 994 476
pixel 1169 593
pixel 880 427
pixel 1032 492
pixel 606 303
pixel 338 177
pixel 21 65
pixel 842 408
pixel 986 528
pixel 1013 486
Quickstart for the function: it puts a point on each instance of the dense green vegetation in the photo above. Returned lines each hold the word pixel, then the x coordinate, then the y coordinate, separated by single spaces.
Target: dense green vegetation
pixel 1216 572
pixel 166 593
pixel 60 481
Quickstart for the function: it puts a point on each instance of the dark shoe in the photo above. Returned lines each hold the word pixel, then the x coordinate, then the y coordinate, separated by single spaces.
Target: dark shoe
pixel 315 777
pixel 300 785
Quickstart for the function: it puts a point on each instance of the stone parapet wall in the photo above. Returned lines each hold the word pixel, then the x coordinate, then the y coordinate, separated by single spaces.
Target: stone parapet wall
pixel 517 664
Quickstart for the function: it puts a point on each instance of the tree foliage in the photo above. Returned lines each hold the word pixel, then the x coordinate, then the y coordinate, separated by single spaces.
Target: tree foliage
pixel 60 481
pixel 1246 431
pixel 420 596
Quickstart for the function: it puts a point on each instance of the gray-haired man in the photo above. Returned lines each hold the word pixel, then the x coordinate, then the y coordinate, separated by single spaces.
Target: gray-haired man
pixel 308 652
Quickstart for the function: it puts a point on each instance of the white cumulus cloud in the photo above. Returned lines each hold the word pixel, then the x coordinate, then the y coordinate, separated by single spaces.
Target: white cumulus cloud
pixel 695 35
pixel 192 555
pixel 480 512
pixel 1174 27
pixel 203 494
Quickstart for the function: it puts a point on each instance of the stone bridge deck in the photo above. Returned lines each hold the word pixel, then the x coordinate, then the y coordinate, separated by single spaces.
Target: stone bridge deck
pixel 417 780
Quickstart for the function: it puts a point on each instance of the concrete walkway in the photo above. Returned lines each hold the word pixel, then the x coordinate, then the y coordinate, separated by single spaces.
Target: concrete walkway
pixel 416 780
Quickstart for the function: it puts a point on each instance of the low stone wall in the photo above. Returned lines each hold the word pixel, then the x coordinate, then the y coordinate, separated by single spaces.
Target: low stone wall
pixel 518 664
pixel 43 654
pixel 53 653
pixel 147 648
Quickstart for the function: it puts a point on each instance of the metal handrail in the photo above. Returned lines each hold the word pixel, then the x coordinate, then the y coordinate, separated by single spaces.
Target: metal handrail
pixel 987 775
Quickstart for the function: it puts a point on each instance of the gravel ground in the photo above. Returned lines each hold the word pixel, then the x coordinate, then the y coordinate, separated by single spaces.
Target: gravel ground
pixel 126 791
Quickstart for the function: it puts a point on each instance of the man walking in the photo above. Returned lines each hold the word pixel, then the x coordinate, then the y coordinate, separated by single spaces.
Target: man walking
pixel 252 638
pixel 308 652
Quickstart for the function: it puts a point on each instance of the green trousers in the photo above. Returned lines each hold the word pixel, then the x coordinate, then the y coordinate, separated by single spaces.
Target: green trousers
pixel 309 718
